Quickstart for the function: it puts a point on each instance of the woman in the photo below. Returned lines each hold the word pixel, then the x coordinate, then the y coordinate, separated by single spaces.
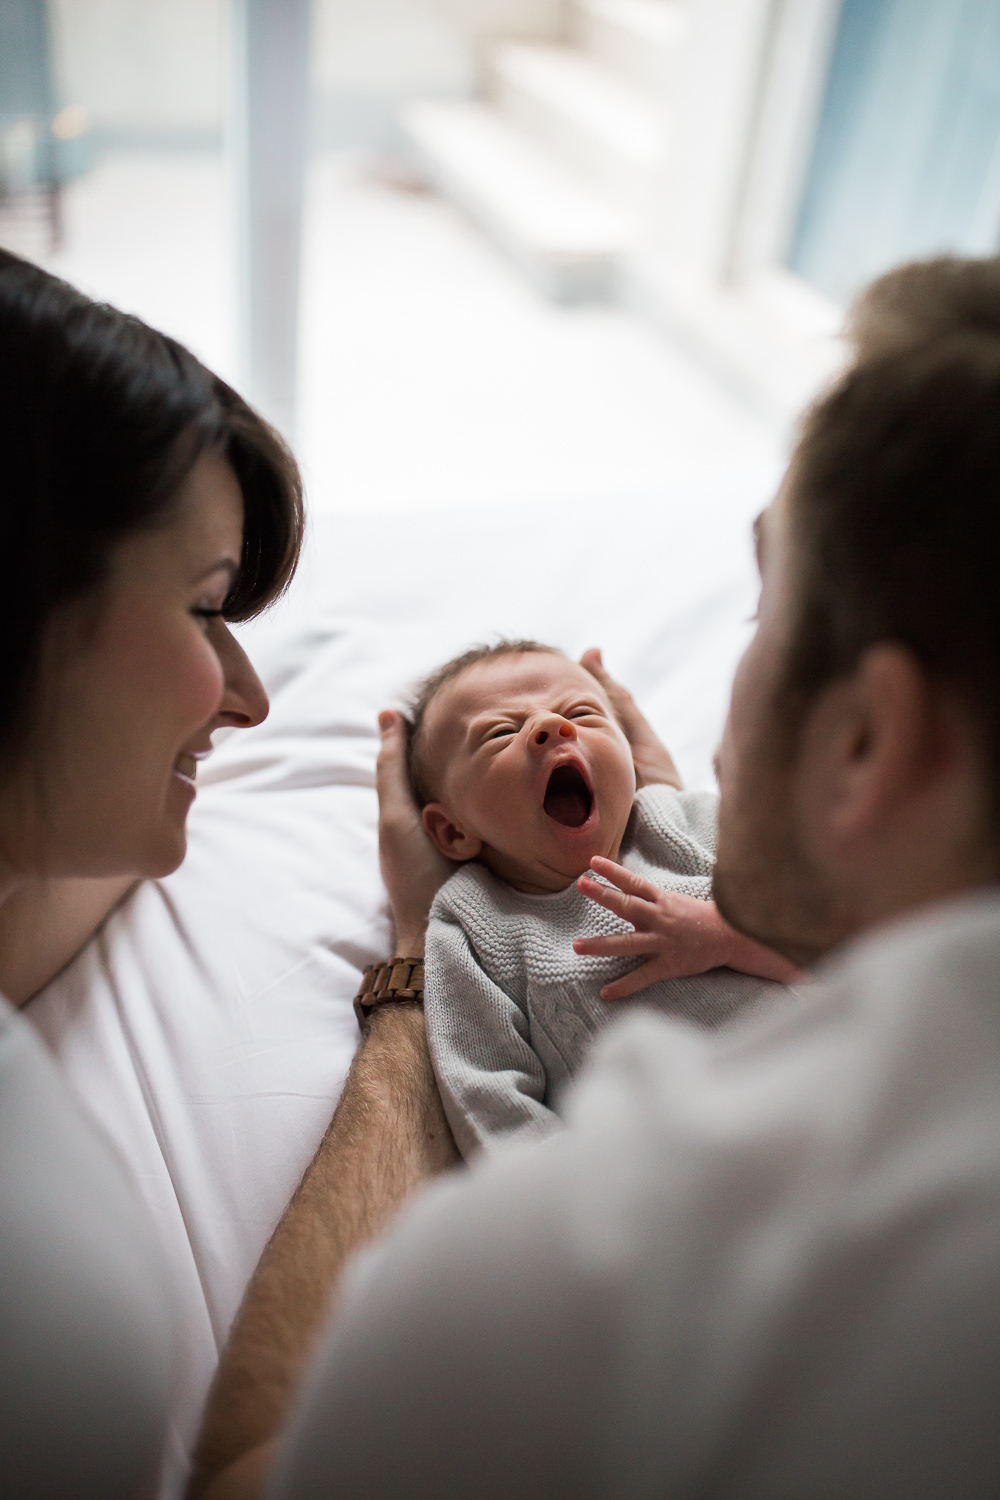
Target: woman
pixel 144 507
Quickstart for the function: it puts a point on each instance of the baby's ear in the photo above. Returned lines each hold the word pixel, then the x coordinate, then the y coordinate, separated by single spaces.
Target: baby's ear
pixel 446 836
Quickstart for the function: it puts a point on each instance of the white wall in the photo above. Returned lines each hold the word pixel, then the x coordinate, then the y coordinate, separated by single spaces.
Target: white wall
pixel 490 18
pixel 369 54
pixel 149 67
pixel 157 68
pixel 717 83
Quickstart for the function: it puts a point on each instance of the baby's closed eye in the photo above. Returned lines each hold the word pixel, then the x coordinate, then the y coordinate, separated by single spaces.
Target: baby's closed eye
pixel 587 711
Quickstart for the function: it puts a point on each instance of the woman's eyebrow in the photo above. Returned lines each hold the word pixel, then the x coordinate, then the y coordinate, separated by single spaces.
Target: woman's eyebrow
pixel 224 565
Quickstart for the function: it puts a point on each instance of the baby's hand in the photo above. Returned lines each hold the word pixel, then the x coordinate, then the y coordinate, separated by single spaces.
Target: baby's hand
pixel 679 935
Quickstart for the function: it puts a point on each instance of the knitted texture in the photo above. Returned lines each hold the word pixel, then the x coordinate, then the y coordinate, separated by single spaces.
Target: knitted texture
pixel 511 1009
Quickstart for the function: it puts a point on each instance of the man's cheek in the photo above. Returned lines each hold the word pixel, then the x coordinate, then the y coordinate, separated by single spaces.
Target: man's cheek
pixel 723 759
pixel 743 700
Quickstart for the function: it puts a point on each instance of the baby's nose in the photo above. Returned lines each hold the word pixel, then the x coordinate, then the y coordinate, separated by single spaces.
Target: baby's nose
pixel 565 731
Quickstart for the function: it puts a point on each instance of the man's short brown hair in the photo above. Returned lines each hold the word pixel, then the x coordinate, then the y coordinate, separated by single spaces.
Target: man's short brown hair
pixel 894 493
pixel 427 690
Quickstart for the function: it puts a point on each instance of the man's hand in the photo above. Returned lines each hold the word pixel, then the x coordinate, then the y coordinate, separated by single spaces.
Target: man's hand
pixel 677 935
pixel 412 869
pixel 653 762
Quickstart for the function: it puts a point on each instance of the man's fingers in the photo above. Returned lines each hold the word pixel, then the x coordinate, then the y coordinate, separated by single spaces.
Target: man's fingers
pixel 621 699
pixel 593 662
pixel 412 868
pixel 653 761
pixel 613 945
pixel 393 785
pixel 392 750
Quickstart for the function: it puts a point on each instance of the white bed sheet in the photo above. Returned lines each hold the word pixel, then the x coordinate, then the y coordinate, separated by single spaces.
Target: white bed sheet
pixel 209 1025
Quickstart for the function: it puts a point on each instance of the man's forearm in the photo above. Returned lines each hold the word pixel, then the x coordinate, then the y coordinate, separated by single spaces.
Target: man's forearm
pixel 388 1135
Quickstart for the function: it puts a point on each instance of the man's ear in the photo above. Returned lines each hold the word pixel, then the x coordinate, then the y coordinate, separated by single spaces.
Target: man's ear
pixel 446 836
pixel 877 741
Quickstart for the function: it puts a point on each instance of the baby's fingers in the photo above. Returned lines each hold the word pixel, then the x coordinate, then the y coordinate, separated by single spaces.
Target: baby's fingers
pixel 630 984
pixel 626 881
pixel 630 908
pixel 613 945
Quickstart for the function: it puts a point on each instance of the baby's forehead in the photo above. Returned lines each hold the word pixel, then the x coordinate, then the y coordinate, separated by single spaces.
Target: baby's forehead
pixel 513 682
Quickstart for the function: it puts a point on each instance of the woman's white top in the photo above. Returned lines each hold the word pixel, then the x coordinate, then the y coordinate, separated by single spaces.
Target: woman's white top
pixel 86 1344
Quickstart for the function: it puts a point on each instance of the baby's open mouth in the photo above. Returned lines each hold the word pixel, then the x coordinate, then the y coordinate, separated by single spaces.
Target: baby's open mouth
pixel 568 798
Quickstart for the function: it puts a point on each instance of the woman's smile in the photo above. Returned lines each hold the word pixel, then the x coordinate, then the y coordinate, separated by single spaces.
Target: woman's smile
pixel 185 767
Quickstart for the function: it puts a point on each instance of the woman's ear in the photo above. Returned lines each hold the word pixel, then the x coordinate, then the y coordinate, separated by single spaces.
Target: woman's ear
pixel 446 836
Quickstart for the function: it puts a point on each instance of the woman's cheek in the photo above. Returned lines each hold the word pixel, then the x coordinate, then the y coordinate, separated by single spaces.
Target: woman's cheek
pixel 204 683
pixel 184 679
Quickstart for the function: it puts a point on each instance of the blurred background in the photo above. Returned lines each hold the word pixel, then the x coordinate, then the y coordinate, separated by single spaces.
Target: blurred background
pixel 481 252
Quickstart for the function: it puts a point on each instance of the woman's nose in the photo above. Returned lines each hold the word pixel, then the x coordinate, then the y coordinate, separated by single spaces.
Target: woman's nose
pixel 244 701
pixel 553 727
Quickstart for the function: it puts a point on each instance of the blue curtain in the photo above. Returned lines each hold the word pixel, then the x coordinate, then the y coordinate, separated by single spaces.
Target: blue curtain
pixel 907 155
pixel 25 84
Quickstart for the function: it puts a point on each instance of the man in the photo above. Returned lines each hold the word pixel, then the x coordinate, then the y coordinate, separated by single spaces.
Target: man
pixel 763 1264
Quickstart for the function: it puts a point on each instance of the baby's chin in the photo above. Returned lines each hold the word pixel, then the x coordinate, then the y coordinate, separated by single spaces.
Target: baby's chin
pixel 541 874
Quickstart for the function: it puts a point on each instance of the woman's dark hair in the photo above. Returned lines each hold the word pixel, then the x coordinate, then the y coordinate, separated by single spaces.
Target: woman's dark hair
pixel 101 420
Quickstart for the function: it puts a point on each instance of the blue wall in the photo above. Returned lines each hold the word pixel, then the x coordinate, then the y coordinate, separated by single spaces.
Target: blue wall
pixel 907 155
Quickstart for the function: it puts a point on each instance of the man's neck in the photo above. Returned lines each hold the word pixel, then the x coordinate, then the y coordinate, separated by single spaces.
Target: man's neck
pixel 907 880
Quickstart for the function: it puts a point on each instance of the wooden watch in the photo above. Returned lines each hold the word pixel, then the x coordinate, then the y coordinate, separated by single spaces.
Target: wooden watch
pixel 386 983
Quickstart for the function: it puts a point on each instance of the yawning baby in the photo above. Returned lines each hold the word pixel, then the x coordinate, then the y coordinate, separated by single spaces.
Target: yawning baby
pixel 525 776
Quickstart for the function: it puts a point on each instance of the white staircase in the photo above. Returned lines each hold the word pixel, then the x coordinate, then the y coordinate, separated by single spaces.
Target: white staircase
pixel 636 38
pixel 561 163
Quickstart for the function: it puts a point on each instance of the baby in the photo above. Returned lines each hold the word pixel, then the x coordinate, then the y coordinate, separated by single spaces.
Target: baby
pixel 526 781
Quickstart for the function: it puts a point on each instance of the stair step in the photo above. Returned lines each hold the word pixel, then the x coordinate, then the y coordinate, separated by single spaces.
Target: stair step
pixel 636 38
pixel 593 118
pixel 566 235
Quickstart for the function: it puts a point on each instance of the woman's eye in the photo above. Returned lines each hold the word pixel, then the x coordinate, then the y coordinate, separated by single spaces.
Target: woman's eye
pixel 202 612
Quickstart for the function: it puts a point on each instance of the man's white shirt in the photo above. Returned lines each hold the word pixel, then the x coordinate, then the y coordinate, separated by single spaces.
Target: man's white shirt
pixel 764 1263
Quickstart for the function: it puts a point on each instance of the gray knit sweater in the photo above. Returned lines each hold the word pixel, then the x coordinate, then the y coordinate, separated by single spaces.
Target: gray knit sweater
pixel 511 1009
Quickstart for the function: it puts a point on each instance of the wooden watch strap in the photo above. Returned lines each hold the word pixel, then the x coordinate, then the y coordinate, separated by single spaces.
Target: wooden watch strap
pixel 397 979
